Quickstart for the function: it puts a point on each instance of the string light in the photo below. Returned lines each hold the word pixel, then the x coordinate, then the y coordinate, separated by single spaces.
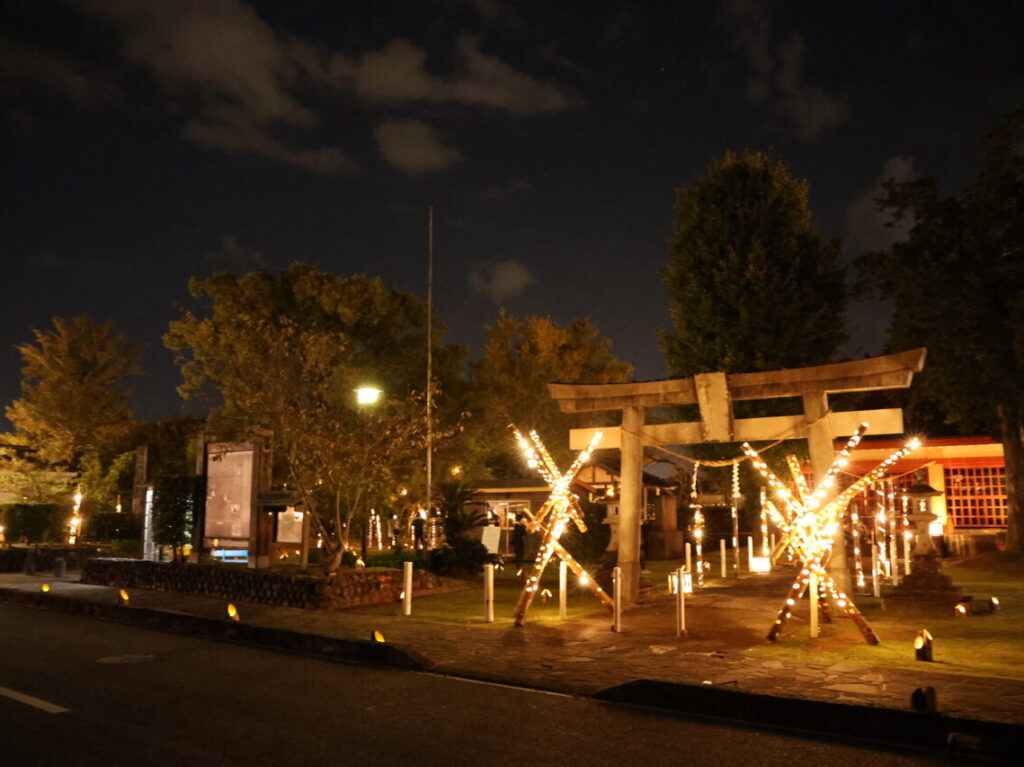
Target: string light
pixel 76 519
pixel 808 523
pixel 554 517
pixel 698 527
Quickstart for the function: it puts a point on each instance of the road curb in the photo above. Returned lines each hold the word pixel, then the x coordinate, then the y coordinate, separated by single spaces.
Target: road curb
pixel 893 726
pixel 283 640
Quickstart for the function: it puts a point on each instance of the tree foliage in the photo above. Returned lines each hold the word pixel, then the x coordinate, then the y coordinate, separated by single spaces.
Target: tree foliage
pixel 520 358
pixel 957 284
pixel 72 396
pixel 285 353
pixel 174 507
pixel 752 286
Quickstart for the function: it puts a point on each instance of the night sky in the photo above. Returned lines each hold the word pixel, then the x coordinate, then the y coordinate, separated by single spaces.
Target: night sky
pixel 145 141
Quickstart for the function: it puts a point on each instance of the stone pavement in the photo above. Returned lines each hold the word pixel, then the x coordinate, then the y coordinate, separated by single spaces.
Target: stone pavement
pixel 583 656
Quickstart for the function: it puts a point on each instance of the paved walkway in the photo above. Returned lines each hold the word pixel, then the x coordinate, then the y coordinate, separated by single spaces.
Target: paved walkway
pixel 584 656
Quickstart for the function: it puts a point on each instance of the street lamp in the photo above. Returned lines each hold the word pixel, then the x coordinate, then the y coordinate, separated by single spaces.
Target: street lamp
pixel 367 395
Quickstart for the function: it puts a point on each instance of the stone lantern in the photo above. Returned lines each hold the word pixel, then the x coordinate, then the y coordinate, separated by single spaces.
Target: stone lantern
pixel 925 583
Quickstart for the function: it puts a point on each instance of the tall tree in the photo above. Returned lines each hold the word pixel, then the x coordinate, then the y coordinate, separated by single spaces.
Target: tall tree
pixel 73 399
pixel 752 286
pixel 520 358
pixel 286 352
pixel 957 284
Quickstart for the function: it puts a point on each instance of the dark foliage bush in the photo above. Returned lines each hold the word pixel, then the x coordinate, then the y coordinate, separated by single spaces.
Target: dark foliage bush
pixel 36 522
pixel 460 557
pixel 112 526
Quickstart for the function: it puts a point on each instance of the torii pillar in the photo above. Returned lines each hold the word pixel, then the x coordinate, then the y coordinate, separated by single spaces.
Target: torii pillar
pixel 714 393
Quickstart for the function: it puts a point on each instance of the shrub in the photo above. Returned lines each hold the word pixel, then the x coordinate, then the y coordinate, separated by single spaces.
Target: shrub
pixel 36 522
pixel 111 526
pixel 174 501
pixel 461 557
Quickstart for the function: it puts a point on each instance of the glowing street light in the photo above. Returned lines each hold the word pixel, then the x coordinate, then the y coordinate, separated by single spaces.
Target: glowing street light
pixel 367 395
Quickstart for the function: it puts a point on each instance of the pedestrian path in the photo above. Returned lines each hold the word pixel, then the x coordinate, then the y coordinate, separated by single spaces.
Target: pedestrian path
pixel 584 656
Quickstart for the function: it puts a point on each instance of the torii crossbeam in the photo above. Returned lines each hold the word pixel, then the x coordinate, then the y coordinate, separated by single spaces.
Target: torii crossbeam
pixel 561 508
pixel 809 524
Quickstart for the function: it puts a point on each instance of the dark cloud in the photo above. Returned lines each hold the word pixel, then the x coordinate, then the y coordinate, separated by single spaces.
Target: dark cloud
pixel 240 69
pixel 26 70
pixel 514 188
pixel 413 147
pixel 232 254
pixel 397 74
pixel 501 281
pixel 777 70
pixel 868 228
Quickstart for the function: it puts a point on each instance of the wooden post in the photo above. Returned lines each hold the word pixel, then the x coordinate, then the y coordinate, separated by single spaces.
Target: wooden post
pixel 489 593
pixel 689 558
pixel 563 570
pixel 812 601
pixel 407 593
pixel 819 444
pixel 876 572
pixel 721 548
pixel 617 600
pixel 750 553
pixel 630 500
pixel 304 556
pixel 680 604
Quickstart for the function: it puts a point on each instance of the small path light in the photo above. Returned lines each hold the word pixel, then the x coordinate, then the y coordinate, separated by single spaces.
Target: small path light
pixel 233 613
pixel 45 587
pixel 964 608
pixel 377 637
pixel 923 646
pixel 122 597
pixel 993 604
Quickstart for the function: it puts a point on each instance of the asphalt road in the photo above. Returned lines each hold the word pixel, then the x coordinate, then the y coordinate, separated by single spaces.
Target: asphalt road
pixel 140 697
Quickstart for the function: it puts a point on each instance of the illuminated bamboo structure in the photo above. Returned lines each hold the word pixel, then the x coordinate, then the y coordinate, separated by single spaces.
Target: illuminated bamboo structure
pixel 698 529
pixel 559 510
pixel 809 522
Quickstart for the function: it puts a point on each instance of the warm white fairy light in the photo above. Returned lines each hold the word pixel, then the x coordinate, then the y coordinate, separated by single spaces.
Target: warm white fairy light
pixel 554 517
pixel 698 527
pixel 76 520
pixel 858 560
pixel 808 522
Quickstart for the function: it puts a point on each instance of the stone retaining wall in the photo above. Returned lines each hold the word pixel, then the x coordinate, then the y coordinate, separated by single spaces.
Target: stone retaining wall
pixel 12 560
pixel 347 588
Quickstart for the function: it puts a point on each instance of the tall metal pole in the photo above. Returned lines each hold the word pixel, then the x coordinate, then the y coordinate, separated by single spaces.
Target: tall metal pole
pixel 430 360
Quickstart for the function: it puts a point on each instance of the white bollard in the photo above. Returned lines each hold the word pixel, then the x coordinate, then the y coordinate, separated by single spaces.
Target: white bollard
pixel 563 575
pixel 617 600
pixel 812 601
pixel 721 548
pixel 680 605
pixel 750 553
pixel 689 561
pixel 489 593
pixel 407 592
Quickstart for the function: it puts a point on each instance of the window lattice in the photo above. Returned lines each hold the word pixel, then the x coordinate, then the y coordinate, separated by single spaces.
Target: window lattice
pixel 976 496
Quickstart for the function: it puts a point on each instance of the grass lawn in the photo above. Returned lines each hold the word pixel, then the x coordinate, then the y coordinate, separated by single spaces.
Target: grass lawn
pixel 985 645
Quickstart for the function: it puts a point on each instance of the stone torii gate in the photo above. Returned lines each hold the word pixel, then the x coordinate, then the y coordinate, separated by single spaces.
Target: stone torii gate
pixel 714 394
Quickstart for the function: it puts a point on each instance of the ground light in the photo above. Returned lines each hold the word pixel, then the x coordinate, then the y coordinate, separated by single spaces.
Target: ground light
pixel 122 597
pixel 377 637
pixel 233 613
pixel 45 587
pixel 964 608
pixel 923 646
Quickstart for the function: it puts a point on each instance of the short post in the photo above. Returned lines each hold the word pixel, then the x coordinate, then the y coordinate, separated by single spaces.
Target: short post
pixel 876 572
pixel 750 553
pixel 617 600
pixel 689 560
pixel 721 548
pixel 680 604
pixel 907 538
pixel 563 575
pixel 812 601
pixel 772 539
pixel 489 593
pixel 407 591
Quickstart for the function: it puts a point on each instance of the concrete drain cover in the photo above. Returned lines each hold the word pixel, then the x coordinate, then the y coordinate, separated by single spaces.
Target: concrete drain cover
pixel 127 659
